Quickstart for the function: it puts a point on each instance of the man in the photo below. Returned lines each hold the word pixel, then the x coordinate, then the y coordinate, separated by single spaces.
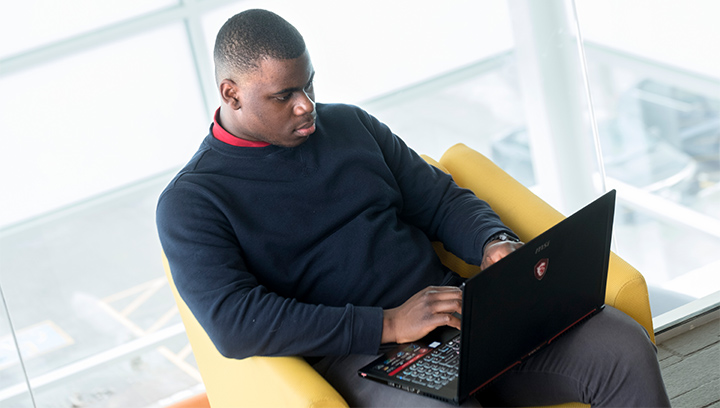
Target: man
pixel 304 229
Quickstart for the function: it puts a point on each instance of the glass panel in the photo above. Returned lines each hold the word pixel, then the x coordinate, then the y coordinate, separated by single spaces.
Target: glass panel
pixel 87 291
pixel 32 23
pixel 84 281
pixel 657 98
pixel 455 80
pixel 497 102
pixel 479 105
pixel 12 376
pixel 379 46
pixel 89 124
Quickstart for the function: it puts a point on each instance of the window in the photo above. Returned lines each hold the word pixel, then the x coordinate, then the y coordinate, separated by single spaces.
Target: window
pixel 102 104
pixel 37 23
pixel 657 94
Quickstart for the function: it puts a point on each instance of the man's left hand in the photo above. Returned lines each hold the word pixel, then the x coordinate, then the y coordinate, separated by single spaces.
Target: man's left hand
pixel 496 250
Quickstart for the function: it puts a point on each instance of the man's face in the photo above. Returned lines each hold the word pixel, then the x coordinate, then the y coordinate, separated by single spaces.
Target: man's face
pixel 274 103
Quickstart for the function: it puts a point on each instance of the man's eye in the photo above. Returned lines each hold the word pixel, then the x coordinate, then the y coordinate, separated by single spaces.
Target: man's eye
pixel 283 97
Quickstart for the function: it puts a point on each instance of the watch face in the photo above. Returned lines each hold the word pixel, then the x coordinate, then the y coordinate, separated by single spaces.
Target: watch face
pixel 505 237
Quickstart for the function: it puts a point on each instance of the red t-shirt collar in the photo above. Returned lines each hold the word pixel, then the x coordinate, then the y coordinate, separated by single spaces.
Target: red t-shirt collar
pixel 224 136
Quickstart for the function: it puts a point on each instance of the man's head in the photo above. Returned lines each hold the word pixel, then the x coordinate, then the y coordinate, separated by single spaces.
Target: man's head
pixel 265 79
pixel 251 36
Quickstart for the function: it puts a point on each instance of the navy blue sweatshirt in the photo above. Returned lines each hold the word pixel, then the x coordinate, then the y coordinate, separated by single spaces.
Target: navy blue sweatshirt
pixel 296 251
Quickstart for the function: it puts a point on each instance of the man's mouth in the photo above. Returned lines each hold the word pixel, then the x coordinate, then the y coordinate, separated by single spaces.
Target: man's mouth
pixel 306 129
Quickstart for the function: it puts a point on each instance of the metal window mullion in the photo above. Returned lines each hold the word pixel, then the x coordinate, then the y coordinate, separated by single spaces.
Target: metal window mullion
pixel 690 81
pixel 72 371
pixel 201 58
pixel 110 33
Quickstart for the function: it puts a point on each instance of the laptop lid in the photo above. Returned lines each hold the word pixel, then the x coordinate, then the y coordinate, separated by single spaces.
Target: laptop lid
pixel 529 298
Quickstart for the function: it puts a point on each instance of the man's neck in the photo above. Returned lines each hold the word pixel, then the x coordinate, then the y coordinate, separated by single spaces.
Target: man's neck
pixel 221 134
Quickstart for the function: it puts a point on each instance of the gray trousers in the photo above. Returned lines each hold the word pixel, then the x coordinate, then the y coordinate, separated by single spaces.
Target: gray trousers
pixel 607 361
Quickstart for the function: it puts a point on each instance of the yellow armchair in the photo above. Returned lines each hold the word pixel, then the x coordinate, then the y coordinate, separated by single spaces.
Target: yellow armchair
pixel 254 381
pixel 291 382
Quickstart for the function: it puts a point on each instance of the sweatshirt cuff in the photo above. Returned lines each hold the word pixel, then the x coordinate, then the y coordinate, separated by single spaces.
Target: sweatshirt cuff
pixel 481 239
pixel 367 330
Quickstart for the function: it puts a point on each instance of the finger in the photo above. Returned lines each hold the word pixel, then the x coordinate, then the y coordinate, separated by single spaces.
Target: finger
pixel 443 289
pixel 444 292
pixel 444 319
pixel 446 306
pixel 455 322
pixel 444 299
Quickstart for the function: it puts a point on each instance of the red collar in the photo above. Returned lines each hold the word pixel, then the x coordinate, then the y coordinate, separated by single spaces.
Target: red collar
pixel 225 136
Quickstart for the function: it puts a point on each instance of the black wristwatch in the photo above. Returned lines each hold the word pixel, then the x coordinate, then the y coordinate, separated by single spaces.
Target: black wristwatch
pixel 502 236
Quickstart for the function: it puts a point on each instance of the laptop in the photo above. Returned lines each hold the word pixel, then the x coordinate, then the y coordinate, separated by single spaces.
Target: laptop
pixel 511 310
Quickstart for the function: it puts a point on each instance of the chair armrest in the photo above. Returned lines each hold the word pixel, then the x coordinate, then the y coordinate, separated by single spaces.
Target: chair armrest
pixel 254 381
pixel 528 215
pixel 627 291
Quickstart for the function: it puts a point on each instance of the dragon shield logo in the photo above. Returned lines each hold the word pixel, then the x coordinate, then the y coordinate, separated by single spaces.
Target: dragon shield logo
pixel 541 268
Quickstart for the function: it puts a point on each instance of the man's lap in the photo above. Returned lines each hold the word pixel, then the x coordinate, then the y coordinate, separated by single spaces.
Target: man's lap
pixel 579 366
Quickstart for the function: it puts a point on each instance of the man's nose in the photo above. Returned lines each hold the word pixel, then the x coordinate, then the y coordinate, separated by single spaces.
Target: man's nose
pixel 305 104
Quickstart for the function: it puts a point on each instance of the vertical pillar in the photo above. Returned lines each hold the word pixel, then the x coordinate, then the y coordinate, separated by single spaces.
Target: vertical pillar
pixel 555 100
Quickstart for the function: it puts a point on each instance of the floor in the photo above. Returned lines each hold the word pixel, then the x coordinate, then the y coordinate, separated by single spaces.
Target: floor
pixel 690 364
pixel 86 289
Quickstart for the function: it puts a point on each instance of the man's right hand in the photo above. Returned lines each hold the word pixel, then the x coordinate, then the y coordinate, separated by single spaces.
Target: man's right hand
pixel 428 309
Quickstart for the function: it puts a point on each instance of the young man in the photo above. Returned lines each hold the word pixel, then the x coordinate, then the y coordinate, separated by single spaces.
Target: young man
pixel 305 229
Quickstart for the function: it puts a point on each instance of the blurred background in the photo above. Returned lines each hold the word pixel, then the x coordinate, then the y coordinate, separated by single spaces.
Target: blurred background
pixel 102 102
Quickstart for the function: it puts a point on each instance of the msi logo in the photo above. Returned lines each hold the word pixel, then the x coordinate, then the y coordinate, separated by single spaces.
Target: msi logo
pixel 541 268
pixel 542 247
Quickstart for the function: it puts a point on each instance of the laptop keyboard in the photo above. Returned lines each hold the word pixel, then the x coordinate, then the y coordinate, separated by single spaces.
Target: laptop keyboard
pixel 437 368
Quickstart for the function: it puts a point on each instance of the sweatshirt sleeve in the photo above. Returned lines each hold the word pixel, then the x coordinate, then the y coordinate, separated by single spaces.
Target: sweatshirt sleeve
pixel 242 317
pixel 433 202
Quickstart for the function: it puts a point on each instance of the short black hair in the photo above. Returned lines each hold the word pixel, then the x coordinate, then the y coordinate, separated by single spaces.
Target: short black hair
pixel 250 36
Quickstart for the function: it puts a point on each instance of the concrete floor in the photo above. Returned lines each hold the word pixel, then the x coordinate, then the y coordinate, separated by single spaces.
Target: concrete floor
pixel 690 364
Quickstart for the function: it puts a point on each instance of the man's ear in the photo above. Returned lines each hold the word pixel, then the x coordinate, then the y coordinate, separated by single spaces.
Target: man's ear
pixel 230 93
